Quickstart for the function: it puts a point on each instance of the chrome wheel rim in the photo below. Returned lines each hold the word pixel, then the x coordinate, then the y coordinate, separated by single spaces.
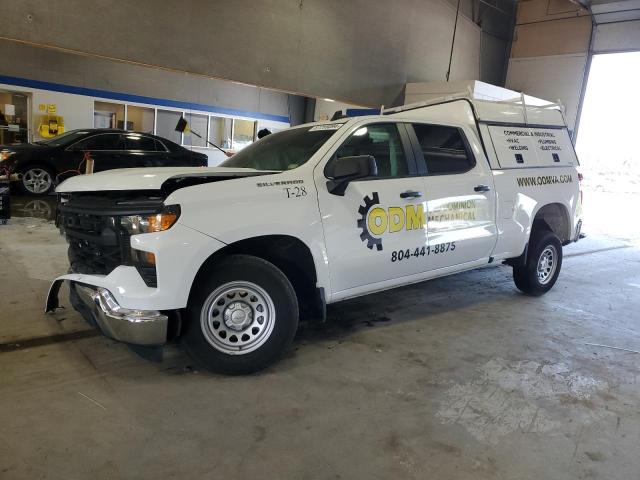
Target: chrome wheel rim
pixel 237 317
pixel 37 180
pixel 547 264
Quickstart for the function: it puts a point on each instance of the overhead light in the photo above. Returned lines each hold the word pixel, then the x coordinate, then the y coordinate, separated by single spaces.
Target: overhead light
pixel 328 100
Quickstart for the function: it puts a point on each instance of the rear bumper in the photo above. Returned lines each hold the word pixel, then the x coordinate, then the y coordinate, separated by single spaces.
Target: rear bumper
pixel 99 308
pixel 578 231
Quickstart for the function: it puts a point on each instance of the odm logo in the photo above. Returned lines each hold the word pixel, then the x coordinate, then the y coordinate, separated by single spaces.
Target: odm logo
pixel 375 221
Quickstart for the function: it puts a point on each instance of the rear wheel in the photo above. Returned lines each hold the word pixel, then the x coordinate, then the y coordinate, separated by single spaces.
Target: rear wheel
pixel 544 260
pixel 36 180
pixel 242 317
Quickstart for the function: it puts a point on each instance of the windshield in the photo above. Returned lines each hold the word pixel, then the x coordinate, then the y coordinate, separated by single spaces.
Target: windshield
pixel 64 139
pixel 283 150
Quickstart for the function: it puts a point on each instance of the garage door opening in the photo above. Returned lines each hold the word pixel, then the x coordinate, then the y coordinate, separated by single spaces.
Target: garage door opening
pixel 607 146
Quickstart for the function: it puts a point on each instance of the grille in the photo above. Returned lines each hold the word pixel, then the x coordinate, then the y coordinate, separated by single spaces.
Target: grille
pixel 97 242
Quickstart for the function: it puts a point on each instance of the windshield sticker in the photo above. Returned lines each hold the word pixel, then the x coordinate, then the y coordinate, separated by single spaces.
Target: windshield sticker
pixel 328 126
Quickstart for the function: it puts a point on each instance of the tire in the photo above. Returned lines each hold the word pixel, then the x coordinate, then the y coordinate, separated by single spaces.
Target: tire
pixel 528 278
pixel 36 180
pixel 246 298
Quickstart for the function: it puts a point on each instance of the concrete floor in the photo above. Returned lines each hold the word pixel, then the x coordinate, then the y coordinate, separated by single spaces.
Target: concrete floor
pixel 461 377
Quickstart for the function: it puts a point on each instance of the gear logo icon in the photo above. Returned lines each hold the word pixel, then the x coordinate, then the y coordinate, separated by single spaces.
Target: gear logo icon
pixel 366 236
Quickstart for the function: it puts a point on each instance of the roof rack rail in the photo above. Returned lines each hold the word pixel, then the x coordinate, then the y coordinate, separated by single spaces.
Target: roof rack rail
pixel 468 95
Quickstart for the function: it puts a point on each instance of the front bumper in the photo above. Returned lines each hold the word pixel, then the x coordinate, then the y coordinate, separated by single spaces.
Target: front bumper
pixel 99 308
pixel 13 177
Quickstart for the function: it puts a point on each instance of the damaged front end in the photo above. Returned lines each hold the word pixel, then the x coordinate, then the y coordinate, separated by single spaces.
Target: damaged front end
pixel 99 308
pixel 98 228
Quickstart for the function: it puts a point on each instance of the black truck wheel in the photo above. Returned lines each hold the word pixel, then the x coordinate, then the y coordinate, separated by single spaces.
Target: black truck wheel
pixel 241 317
pixel 544 260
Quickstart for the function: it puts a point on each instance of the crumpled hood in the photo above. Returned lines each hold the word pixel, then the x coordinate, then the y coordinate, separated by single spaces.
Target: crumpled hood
pixel 148 178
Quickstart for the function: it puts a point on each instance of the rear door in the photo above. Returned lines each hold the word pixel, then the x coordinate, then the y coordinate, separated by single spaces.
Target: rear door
pixel 460 196
pixel 144 151
pixel 376 231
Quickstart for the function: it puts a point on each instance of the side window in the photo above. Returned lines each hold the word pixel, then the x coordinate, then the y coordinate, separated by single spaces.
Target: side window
pixel 160 147
pixel 104 141
pixel 383 142
pixel 444 149
pixel 140 142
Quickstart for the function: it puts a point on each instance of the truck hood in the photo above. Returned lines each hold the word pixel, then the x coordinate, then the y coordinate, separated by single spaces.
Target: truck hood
pixel 152 178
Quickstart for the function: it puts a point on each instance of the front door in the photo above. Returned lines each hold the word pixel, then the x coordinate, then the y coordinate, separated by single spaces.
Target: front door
pixel 106 150
pixel 460 196
pixel 376 231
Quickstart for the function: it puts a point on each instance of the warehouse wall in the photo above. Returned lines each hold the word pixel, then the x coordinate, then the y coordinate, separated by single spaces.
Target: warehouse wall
pixel 549 52
pixel 90 72
pixel 358 51
pixel 617 37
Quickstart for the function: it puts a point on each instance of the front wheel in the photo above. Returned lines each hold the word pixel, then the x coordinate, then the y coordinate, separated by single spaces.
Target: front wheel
pixel 241 317
pixel 36 180
pixel 544 261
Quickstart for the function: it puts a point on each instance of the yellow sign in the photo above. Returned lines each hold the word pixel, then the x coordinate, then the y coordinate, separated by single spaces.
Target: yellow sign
pixel 51 126
pixel 51 108
pixel 395 219
pixel 42 107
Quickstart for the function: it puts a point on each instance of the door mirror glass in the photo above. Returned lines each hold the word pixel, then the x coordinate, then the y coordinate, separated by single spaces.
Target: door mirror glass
pixel 342 170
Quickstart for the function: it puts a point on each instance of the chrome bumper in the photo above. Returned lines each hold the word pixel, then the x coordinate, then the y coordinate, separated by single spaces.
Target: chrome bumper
pixel 98 306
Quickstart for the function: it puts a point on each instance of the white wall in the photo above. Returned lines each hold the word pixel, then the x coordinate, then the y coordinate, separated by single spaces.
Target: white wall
pixel 76 110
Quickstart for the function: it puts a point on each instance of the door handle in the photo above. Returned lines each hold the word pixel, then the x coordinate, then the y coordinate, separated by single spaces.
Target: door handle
pixel 482 188
pixel 410 194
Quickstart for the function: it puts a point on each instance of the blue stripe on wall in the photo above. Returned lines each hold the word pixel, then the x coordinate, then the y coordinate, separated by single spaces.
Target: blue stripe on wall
pixel 125 97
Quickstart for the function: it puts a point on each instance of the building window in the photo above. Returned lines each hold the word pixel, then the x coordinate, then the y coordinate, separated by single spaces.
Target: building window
pixel 140 119
pixel 197 124
pixel 220 131
pixel 108 115
pixel 243 133
pixel 166 125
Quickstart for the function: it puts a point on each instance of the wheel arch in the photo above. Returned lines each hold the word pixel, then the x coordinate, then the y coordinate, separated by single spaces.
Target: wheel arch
pixel 555 217
pixel 29 163
pixel 551 216
pixel 288 253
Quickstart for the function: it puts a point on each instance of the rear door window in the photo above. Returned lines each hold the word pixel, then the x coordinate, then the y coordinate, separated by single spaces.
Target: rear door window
pixel 444 149
pixel 140 143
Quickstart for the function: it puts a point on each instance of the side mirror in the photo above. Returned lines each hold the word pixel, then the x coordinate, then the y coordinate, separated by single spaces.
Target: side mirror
pixel 342 171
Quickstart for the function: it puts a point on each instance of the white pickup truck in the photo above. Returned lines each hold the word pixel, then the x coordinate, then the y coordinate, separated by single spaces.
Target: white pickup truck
pixel 228 259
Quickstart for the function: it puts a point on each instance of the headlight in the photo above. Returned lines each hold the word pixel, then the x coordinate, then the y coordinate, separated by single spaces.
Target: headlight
pixel 158 222
pixel 5 154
